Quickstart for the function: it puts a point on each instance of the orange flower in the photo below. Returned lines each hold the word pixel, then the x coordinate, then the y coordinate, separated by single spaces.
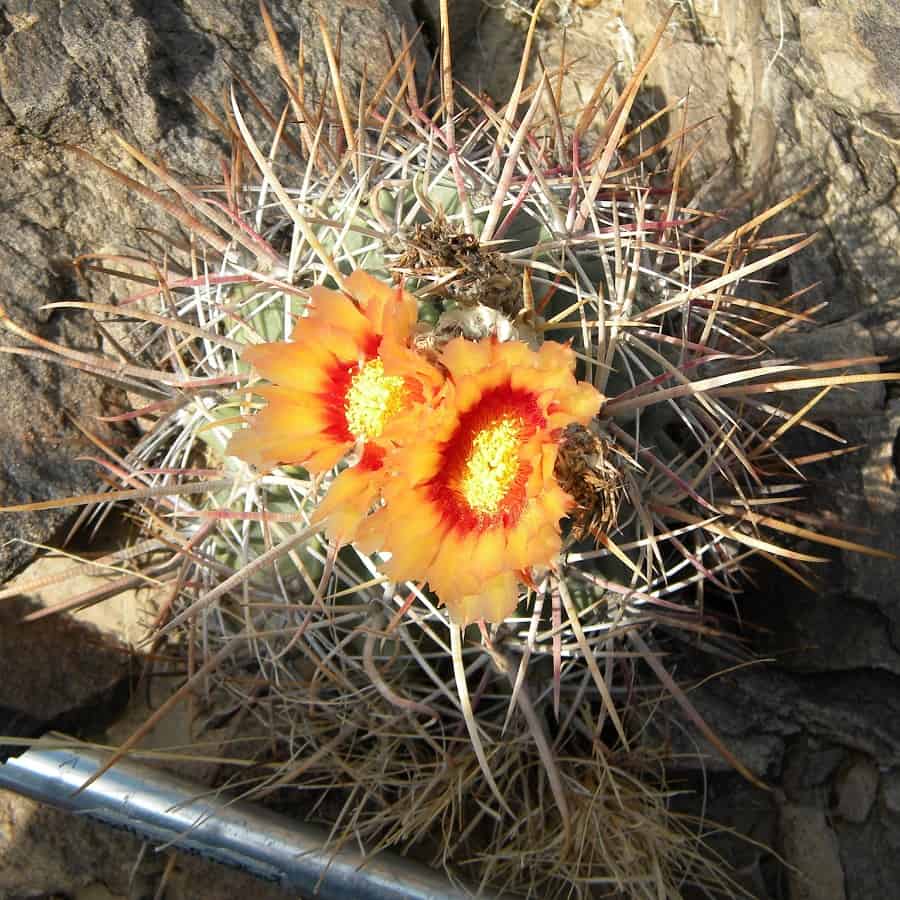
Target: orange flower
pixel 330 393
pixel 473 506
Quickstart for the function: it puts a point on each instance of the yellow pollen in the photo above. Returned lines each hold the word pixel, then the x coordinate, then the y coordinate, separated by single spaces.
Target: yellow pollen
pixel 372 399
pixel 492 465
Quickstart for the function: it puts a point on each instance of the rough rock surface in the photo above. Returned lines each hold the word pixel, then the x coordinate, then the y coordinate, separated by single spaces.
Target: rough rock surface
pixel 806 835
pixel 808 96
pixel 76 74
pixel 793 95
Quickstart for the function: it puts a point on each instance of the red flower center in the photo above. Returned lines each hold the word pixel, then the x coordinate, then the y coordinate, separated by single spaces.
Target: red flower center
pixel 482 476
pixel 360 398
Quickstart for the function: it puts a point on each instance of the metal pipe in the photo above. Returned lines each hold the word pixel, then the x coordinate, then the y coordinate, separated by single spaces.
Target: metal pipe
pixel 164 809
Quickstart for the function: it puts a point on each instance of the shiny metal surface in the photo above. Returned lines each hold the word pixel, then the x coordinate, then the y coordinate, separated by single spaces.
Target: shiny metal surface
pixel 167 810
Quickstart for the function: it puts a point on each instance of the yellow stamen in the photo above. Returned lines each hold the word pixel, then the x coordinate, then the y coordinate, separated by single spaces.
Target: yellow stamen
pixel 491 466
pixel 372 399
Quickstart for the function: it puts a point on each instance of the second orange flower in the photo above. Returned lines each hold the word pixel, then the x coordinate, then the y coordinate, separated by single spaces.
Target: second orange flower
pixel 474 506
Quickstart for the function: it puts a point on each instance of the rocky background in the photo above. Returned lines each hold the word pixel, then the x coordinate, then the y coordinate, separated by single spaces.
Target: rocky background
pixel 794 94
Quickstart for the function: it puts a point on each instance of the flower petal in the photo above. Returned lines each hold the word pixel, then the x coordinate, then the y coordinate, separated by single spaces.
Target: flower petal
pixel 494 602
pixel 291 365
pixel 348 502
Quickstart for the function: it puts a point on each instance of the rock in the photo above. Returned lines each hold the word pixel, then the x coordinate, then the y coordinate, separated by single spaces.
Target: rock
pixel 884 322
pixel 76 73
pixel 890 791
pixel 810 849
pixel 762 706
pixel 53 578
pixel 750 732
pixel 467 23
pixel 881 470
pixel 737 807
pixel 799 94
pixel 64 78
pixel 39 446
pixel 58 673
pixel 45 851
pixel 842 340
pixel 870 496
pixel 809 764
pixel 827 629
pixel 855 789
pixel 870 853
pixel 487 43
pixel 836 733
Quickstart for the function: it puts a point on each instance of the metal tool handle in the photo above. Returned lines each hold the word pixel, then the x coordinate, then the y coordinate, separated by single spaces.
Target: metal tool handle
pixel 164 809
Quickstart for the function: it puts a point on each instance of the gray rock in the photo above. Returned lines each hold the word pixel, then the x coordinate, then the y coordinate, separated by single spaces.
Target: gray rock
pixel 890 791
pixel 828 630
pixel 807 96
pixel 881 469
pixel 737 808
pixel 75 73
pixel 870 854
pixel 810 848
pixel 855 789
pixel 38 450
pixel 466 22
pixel 884 322
pixel 836 733
pixel 486 43
pixel 871 498
pixel 763 706
pixel 842 340
pixel 809 765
